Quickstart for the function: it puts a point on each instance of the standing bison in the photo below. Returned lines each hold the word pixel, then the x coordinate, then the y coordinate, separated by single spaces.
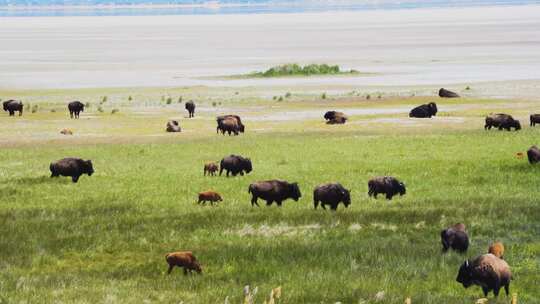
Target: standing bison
pixel 534 118
pixel 74 167
pixel 273 191
pixel 75 107
pixel 13 106
pixel 190 107
pixel 487 271
pixel 235 164
pixel 424 111
pixel 455 237
pixel 533 154
pixel 387 185
pixel 230 124
pixel 447 94
pixel 501 121
pixel 331 194
pixel 333 117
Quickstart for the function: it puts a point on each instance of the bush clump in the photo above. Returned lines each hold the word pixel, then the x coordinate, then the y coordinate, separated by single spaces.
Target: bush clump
pixel 293 69
pixel 115 111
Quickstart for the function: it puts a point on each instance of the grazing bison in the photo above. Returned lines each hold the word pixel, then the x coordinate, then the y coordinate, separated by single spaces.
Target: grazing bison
pixel 75 107
pixel 447 94
pixel 173 126
pixel 497 249
pixel 183 259
pixel 533 154
pixel 235 164
pixel 13 106
pixel 74 167
pixel 210 168
pixel 502 121
pixel 455 237
pixel 535 118
pixel 190 107
pixel 487 271
pixel 387 185
pixel 209 196
pixel 273 191
pixel 331 194
pixel 230 124
pixel 333 117
pixel 424 111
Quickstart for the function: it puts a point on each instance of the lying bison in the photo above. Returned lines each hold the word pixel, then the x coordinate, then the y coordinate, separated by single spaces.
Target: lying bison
pixel 74 167
pixel 333 117
pixel 190 107
pixel 230 124
pixel 447 94
pixel 173 126
pixel 13 106
pixel 273 191
pixel 424 111
pixel 487 271
pixel 534 118
pixel 533 154
pixel 387 185
pixel 235 164
pixel 75 107
pixel 455 237
pixel 501 121
pixel 332 195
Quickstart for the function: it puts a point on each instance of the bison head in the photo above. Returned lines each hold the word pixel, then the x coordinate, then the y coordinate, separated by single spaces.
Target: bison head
pixel 294 191
pixel 247 165
pixel 465 274
pixel 329 115
pixel 516 125
pixel 401 188
pixel 432 108
pixel 346 197
pixel 197 267
pixel 241 127
pixel 89 168
pixel 5 104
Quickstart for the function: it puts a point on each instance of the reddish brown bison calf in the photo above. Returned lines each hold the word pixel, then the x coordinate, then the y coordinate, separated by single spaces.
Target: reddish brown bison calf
pixel 209 196
pixel 210 168
pixel 497 249
pixel 183 259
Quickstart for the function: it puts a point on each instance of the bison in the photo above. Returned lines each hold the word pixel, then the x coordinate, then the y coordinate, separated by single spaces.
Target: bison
pixel 387 185
pixel 501 121
pixel 273 191
pixel 533 154
pixel 210 168
pixel 534 118
pixel 13 106
pixel 230 124
pixel 75 107
pixel 455 237
pixel 190 107
pixel 331 194
pixel 333 117
pixel 235 164
pixel 74 167
pixel 66 132
pixel 173 126
pixel 183 259
pixel 447 94
pixel 487 271
pixel 497 249
pixel 209 196
pixel 424 111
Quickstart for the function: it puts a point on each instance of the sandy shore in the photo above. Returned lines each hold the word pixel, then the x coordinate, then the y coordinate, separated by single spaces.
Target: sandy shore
pixel 403 47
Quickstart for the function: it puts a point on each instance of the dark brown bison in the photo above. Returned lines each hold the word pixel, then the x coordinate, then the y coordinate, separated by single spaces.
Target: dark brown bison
pixel 424 111
pixel 331 194
pixel 13 106
pixel 534 118
pixel 387 185
pixel 190 107
pixel 210 168
pixel 74 167
pixel 502 121
pixel 447 94
pixel 533 154
pixel 235 164
pixel 183 259
pixel 333 117
pixel 455 237
pixel 230 124
pixel 273 191
pixel 173 126
pixel 209 196
pixel 487 271
pixel 75 107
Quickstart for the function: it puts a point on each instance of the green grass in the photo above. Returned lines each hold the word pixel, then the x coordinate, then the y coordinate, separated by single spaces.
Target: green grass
pixel 105 238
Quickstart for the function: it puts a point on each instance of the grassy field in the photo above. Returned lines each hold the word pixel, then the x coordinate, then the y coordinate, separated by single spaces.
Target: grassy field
pixel 104 239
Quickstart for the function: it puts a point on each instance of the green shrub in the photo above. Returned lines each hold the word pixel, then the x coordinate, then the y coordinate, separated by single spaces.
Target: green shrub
pixel 88 105
pixel 53 110
pixel 100 109
pixel 214 104
pixel 130 98
pixel 169 100
pixel 467 88
pixel 115 111
pixel 288 94
pixel 280 98
pixel 35 108
pixel 180 99
pixel 323 96
pixel 291 69
pixel 104 99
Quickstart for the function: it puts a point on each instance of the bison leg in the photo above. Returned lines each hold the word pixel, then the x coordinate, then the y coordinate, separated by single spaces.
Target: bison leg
pixel 53 174
pixel 323 206
pixel 75 178
pixel 334 207
pixel 254 201
pixel 316 204
pixel 507 289
pixel 185 271
pixel 11 113
pixel 485 290
pixel 71 114
pixel 375 194
pixel 228 173
pixel 170 269
pixel 389 196
pixel 268 203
